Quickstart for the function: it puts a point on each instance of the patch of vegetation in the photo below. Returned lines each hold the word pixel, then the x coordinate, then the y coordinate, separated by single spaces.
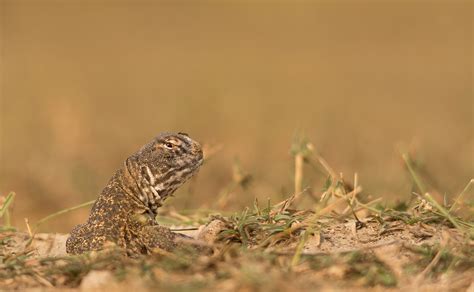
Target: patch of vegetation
pixel 339 242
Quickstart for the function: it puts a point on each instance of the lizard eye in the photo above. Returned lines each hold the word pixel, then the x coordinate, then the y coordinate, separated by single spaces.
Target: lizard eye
pixel 169 145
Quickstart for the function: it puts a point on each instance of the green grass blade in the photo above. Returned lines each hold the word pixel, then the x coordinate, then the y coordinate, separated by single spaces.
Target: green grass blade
pixel 4 212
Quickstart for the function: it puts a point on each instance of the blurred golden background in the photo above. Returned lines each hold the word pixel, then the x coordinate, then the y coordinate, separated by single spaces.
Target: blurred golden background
pixel 86 83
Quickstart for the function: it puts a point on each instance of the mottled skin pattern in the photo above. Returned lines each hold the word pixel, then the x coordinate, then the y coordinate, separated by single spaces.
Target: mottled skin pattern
pixel 125 210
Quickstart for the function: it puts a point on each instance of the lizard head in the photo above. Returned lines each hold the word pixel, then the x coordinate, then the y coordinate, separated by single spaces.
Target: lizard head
pixel 163 165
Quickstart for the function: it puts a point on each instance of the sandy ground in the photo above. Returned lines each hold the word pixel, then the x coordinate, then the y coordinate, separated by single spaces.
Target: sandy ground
pixel 386 243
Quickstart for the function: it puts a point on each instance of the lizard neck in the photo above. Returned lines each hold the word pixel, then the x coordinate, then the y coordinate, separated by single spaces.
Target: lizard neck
pixel 123 182
pixel 138 188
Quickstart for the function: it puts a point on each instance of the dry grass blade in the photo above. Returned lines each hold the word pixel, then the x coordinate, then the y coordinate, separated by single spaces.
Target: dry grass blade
pixel 301 148
pixel 299 248
pixel 459 197
pixel 299 159
pixel 287 203
pixel 419 278
pixel 61 212
pixel 326 166
pixel 28 227
pixel 427 195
